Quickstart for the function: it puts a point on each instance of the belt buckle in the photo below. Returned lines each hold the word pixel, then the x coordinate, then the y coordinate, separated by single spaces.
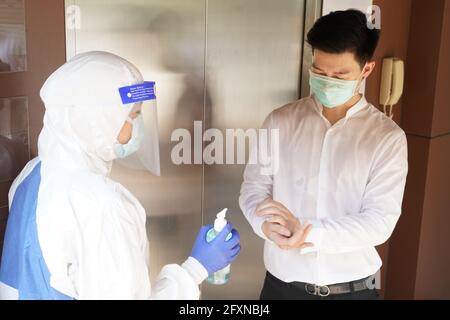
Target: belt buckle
pixel 317 291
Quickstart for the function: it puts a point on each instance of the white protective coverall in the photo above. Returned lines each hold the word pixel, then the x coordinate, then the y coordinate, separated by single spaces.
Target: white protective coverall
pixel 90 229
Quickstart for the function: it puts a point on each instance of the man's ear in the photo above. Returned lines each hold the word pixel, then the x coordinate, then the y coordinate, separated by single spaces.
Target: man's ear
pixel 368 69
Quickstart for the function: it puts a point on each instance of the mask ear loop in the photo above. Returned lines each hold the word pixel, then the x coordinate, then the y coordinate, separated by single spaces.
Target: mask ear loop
pixel 129 120
pixel 362 78
pixel 358 88
pixel 137 113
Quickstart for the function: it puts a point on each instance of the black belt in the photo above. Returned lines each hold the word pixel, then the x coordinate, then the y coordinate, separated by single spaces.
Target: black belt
pixel 335 289
pixel 340 288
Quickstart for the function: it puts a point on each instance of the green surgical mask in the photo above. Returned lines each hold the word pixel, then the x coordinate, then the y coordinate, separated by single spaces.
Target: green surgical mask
pixel 332 92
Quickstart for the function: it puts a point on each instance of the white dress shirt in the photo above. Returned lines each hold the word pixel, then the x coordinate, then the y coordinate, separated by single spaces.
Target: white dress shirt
pixel 346 179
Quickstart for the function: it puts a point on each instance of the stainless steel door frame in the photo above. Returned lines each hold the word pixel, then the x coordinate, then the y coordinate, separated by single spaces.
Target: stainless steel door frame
pixel 313 11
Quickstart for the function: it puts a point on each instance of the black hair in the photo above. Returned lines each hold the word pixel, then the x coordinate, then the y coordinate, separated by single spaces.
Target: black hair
pixel 345 31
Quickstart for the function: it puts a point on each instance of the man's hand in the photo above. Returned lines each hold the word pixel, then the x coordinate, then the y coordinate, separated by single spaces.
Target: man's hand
pixel 275 232
pixel 282 227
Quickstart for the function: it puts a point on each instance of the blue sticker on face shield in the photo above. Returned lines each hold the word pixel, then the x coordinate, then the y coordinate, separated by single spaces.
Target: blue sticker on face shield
pixel 138 92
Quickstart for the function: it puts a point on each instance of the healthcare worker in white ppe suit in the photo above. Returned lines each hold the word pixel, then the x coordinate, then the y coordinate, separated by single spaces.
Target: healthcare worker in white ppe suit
pixel 72 232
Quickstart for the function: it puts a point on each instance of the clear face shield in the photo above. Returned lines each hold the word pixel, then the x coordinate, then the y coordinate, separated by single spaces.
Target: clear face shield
pixel 142 150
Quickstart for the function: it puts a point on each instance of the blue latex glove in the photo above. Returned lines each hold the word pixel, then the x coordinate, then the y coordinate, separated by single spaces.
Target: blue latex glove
pixel 218 253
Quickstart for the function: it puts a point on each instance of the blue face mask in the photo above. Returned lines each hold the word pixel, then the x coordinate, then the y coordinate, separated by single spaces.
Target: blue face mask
pixel 124 150
pixel 332 92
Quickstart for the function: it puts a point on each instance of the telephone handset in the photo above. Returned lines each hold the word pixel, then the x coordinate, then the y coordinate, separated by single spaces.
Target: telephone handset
pixel 392 79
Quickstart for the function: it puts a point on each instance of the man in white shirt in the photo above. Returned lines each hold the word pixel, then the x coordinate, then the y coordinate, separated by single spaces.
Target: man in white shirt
pixel 342 170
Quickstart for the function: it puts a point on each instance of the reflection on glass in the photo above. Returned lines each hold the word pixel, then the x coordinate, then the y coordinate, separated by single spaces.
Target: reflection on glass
pixel 12 36
pixel 14 144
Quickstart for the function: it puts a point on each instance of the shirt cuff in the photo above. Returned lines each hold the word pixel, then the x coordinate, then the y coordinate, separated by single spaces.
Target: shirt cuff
pixel 195 269
pixel 257 227
pixel 315 236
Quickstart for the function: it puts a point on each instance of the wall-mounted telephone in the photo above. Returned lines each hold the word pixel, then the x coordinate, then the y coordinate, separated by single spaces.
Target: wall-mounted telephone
pixel 392 78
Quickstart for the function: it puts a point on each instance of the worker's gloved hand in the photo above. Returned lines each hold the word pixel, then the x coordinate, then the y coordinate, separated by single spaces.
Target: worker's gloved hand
pixel 218 253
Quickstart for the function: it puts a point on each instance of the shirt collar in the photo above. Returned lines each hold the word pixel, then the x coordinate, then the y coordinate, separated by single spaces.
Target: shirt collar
pixel 361 104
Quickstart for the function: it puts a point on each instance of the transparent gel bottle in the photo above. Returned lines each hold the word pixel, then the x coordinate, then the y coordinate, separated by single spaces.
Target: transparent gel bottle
pixel 222 276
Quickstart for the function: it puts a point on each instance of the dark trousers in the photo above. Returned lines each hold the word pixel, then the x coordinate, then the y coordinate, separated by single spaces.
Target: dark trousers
pixel 275 289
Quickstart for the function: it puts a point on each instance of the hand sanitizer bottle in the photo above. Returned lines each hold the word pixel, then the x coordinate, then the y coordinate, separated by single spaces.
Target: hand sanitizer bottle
pixel 222 276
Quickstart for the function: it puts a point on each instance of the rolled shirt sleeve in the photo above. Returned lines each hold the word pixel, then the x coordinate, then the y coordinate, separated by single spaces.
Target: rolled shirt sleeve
pixel 381 207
